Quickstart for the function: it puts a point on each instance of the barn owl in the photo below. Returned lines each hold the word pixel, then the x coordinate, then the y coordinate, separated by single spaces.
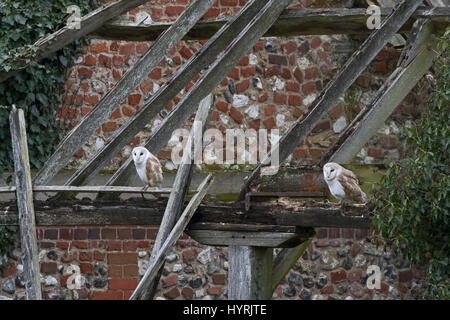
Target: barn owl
pixel 148 167
pixel 343 183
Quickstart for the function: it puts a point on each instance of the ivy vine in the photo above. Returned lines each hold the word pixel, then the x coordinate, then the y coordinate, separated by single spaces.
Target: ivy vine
pixel 413 204
pixel 38 88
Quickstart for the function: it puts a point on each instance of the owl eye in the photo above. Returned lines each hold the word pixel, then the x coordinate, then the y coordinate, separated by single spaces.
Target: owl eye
pixel 142 153
pixel 332 170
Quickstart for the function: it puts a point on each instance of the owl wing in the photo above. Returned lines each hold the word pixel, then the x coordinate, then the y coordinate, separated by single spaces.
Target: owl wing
pixel 153 171
pixel 349 182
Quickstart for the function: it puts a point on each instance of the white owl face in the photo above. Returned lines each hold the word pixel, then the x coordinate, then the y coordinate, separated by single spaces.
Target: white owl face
pixel 330 171
pixel 139 155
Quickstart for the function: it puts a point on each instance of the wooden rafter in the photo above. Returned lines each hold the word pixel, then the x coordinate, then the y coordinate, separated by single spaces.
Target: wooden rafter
pixel 157 262
pixel 179 192
pixel 418 60
pixel 132 78
pixel 152 107
pixel 354 66
pixel 250 34
pixel 292 22
pixel 64 36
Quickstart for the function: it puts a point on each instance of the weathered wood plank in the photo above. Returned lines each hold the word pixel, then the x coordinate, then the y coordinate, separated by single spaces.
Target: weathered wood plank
pixel 250 34
pixel 157 102
pixel 247 238
pixel 388 97
pixel 250 271
pixel 132 78
pixel 92 189
pixel 179 188
pixel 24 195
pixel 139 212
pixel 64 36
pixel 241 227
pixel 354 66
pixel 178 229
pixel 285 260
pixel 292 22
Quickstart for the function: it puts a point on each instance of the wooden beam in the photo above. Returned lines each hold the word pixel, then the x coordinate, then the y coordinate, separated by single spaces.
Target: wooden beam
pixel 64 36
pixel 354 66
pixel 247 238
pixel 292 22
pixel 132 78
pixel 251 33
pixel 388 97
pixel 250 271
pixel 178 229
pixel 157 102
pixel 179 190
pixel 140 212
pixel 93 189
pixel 24 194
pixel 285 260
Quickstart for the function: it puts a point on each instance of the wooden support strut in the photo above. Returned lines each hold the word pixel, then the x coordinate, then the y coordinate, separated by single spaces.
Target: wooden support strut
pixel 24 194
pixel 157 102
pixel 251 33
pixel 179 189
pixel 158 261
pixel 337 87
pixel 64 36
pixel 132 78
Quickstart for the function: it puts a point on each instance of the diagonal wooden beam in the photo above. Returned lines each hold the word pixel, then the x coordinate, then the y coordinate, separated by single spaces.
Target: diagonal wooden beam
pixel 64 36
pixel 285 260
pixel 251 33
pixel 292 22
pixel 179 190
pixel 176 232
pixel 24 195
pixel 150 109
pixel 132 78
pixel 420 59
pixel 354 66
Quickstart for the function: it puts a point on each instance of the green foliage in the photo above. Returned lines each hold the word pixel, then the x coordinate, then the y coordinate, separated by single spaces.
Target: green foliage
pixel 412 206
pixel 37 89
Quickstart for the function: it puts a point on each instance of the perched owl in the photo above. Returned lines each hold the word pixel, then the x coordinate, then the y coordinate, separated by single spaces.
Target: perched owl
pixel 343 183
pixel 148 167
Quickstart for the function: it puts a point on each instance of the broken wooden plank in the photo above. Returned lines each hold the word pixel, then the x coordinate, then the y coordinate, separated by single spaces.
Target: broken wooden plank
pixel 251 33
pixel 285 260
pixel 388 97
pixel 66 35
pixel 250 271
pixel 93 189
pixel 155 264
pixel 132 78
pixel 157 102
pixel 292 22
pixel 24 195
pixel 354 66
pixel 140 212
pixel 179 188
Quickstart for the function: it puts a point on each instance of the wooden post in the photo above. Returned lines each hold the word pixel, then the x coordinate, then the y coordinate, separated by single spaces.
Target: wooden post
pixel 24 194
pixel 179 190
pixel 249 273
pixel 158 261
